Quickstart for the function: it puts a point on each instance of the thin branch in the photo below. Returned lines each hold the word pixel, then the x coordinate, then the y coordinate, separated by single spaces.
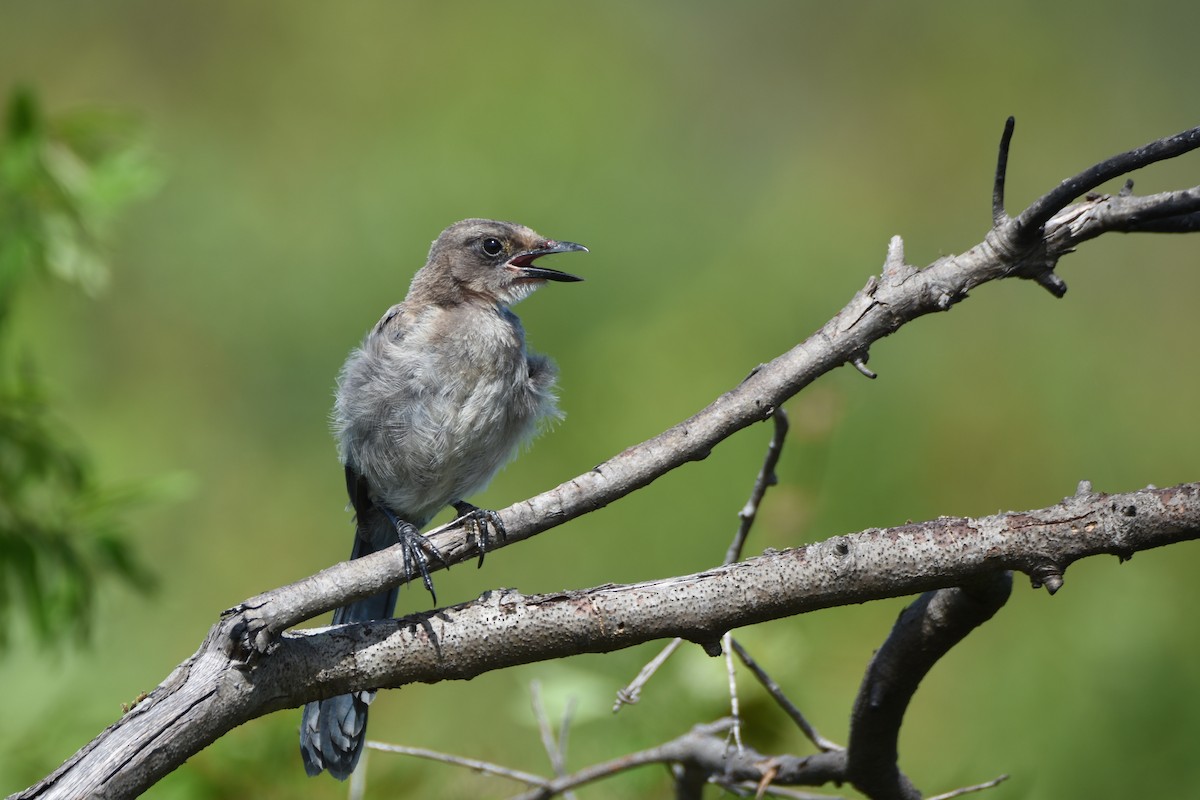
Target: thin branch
pixel 470 763
pixel 821 743
pixel 654 755
pixel 766 478
pixel 735 714
pixel 979 787
pixel 998 213
pixel 632 692
pixel 564 729
pixel 555 748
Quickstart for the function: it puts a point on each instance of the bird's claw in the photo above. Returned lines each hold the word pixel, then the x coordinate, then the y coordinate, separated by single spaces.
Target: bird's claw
pixel 413 547
pixel 249 633
pixel 477 521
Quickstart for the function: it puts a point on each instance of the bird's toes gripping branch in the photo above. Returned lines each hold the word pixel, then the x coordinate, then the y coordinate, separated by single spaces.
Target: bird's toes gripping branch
pixel 477 521
pixel 249 632
pixel 415 546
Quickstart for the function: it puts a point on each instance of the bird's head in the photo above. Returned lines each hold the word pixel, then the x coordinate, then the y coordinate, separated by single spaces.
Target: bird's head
pixel 489 260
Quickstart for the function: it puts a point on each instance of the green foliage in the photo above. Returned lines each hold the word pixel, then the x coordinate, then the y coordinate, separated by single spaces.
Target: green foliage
pixel 61 184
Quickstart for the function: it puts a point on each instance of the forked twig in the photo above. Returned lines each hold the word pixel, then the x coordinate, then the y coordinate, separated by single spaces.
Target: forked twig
pixel 768 683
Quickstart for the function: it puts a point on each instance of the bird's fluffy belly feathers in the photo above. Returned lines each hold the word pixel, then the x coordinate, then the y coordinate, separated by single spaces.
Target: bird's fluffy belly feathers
pixel 424 438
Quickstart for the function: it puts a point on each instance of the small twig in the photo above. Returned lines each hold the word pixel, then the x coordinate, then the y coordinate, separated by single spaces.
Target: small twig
pixel 998 212
pixel 860 364
pixel 543 723
pixel 735 730
pixel 653 755
pixel 979 787
pixel 555 748
pixel 358 778
pixel 766 478
pixel 564 728
pixel 822 744
pixel 633 691
pixel 458 761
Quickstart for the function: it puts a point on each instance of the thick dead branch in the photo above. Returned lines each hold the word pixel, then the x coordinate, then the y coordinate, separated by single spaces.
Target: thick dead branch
pixel 211 692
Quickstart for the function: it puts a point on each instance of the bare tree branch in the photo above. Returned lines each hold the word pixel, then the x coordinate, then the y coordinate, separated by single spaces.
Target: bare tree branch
pixel 249 666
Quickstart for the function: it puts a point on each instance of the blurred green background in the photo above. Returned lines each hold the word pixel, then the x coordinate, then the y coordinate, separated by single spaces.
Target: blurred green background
pixel 736 171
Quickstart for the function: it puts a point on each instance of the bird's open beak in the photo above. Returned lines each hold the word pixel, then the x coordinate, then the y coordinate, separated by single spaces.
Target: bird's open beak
pixel 522 263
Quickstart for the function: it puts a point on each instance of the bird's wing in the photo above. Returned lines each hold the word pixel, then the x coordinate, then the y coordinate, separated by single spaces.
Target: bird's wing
pixel 391 322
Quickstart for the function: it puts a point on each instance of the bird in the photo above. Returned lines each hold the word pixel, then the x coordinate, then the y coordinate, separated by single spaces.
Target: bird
pixel 438 397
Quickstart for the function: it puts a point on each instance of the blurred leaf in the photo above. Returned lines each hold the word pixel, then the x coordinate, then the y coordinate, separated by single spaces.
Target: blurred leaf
pixel 62 184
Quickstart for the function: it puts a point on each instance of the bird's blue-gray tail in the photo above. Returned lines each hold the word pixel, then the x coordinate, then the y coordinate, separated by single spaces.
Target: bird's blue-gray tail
pixel 332 731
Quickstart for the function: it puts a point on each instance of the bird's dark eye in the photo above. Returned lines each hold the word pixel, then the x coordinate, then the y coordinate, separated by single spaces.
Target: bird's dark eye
pixel 492 247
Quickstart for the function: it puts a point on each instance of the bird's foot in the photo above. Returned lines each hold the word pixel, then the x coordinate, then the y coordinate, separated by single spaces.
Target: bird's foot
pixel 478 520
pixel 250 631
pixel 417 550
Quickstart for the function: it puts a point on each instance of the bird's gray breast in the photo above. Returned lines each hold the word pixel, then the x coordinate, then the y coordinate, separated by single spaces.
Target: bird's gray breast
pixel 429 410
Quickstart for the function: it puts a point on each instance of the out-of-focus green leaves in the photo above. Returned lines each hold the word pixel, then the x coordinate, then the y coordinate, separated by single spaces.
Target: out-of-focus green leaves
pixel 62 183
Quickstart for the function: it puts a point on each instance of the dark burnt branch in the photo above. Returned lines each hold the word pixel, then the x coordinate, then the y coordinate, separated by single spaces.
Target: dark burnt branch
pixel 1033 219
pixel 925 632
pixel 998 213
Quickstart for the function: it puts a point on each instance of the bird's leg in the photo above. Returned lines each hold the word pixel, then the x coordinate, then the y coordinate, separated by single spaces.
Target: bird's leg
pixel 478 519
pixel 414 546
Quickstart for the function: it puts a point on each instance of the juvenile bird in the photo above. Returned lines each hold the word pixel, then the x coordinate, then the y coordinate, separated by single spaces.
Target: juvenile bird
pixel 437 398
